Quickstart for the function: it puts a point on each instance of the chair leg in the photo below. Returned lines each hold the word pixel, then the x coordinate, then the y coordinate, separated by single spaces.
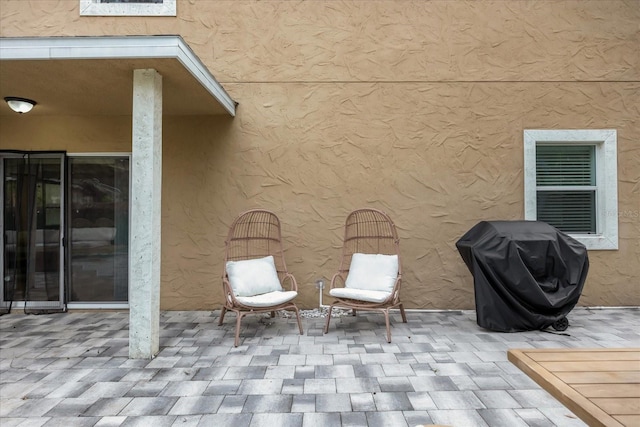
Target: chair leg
pixel 222 313
pixel 404 316
pixel 238 321
pixel 299 322
pixel 353 312
pixel 326 325
pixel 273 314
pixel 386 318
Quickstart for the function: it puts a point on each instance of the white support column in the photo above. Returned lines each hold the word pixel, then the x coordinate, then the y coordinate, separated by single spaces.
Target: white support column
pixel 146 189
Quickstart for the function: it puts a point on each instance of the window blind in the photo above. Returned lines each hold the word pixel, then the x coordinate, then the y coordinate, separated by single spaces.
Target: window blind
pixel 566 187
pixel 565 165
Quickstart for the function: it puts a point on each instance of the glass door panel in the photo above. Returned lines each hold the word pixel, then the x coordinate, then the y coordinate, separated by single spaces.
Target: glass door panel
pixel 99 229
pixel 32 225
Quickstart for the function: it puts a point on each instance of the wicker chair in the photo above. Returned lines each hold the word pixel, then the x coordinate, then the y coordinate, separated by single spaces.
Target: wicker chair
pixel 255 270
pixel 370 272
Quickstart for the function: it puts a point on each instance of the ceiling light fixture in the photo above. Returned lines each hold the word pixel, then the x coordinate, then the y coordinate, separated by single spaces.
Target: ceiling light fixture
pixel 20 105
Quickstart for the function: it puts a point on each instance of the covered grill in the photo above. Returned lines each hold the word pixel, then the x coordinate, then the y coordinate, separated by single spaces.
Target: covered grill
pixel 527 275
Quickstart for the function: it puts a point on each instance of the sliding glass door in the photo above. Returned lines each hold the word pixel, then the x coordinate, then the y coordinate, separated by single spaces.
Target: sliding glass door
pixel 65 231
pixel 32 226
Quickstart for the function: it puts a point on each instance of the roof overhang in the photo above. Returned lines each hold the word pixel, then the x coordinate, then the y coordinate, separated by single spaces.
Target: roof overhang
pixel 94 75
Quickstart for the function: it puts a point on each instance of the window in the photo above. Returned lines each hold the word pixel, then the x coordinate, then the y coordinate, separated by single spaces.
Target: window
pixel 571 183
pixel 128 7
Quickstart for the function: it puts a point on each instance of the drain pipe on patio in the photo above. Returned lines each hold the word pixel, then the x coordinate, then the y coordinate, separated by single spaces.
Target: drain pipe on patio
pixel 320 287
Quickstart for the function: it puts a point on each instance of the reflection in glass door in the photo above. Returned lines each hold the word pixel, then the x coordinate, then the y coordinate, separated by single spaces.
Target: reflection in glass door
pixel 98 229
pixel 32 225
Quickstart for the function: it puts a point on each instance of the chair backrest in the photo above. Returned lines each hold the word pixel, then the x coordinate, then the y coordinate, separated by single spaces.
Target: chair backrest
pixel 369 231
pixel 255 234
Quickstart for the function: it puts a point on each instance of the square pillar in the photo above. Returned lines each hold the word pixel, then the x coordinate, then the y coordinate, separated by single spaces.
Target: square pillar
pixel 146 190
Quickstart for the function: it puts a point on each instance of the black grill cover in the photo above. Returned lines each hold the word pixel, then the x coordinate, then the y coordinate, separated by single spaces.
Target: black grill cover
pixel 527 274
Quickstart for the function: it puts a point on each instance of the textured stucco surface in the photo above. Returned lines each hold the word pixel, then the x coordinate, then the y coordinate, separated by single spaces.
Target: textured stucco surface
pixel 413 107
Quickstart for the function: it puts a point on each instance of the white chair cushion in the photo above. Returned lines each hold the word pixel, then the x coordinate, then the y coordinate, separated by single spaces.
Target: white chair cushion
pixel 372 272
pixel 253 276
pixel 359 294
pixel 268 300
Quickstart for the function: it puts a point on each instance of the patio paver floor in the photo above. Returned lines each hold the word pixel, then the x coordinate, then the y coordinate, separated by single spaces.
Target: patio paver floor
pixel 73 369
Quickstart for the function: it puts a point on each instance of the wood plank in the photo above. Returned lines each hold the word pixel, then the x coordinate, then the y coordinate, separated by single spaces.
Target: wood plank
pixel 541 355
pixel 628 420
pixel 618 377
pixel 618 406
pixel 592 366
pixel 608 390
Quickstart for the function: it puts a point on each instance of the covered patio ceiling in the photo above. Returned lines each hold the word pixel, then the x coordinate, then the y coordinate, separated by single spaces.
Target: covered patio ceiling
pixel 94 75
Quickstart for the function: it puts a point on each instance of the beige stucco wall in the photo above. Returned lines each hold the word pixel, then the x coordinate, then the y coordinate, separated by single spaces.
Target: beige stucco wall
pixel 413 107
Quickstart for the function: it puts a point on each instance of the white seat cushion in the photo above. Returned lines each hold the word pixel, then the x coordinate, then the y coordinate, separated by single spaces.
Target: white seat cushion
pixel 359 294
pixel 253 277
pixel 372 272
pixel 269 299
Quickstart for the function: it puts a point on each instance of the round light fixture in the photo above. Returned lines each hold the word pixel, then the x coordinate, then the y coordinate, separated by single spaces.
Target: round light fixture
pixel 20 105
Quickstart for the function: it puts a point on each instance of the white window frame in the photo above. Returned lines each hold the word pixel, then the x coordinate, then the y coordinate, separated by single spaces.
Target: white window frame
pixel 95 8
pixel 605 142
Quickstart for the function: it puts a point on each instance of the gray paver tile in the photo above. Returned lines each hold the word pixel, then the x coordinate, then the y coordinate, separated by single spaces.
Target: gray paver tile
pixel 193 405
pixel 146 421
pixel 456 400
pixel 421 401
pixel 235 420
pixel 457 417
pixel 187 421
pixel 417 418
pixel 304 403
pixel 320 419
pixel 535 398
pixel 501 417
pixel 99 390
pixel 533 417
pixel 333 403
pixel 357 385
pixel 432 383
pixel 396 401
pixel 107 406
pixel 339 371
pixel 33 408
pixel 354 419
pixel 281 420
pixel 268 404
pixel 110 421
pixel 70 407
pixel 497 399
pixel 185 388
pixel 232 404
pixel 385 419
pixel 317 386
pixel 71 422
pixel 395 384
pixel 147 389
pixel 267 386
pixel 363 402
pixel 148 406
